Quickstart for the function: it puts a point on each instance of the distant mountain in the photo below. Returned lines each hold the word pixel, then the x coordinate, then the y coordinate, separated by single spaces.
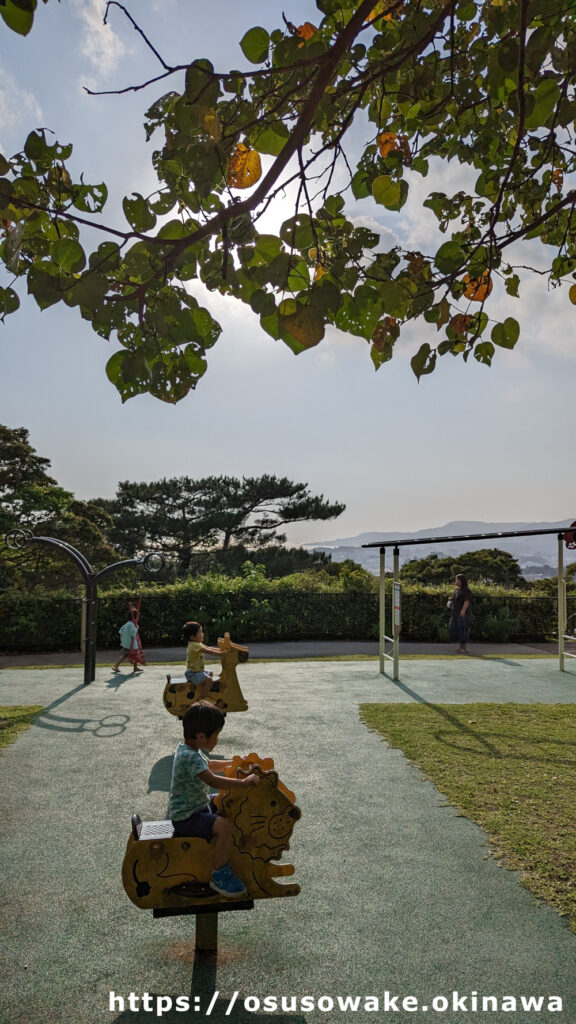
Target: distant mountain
pixel 538 555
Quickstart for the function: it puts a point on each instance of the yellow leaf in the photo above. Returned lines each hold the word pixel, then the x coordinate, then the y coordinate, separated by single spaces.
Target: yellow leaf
pixel 319 272
pixel 478 289
pixel 305 31
pixel 211 124
pixel 386 143
pixel 389 142
pixel 393 7
pixel 572 295
pixel 305 325
pixel 244 169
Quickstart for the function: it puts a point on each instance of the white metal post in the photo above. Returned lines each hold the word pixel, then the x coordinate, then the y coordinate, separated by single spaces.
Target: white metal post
pixel 395 627
pixel 561 603
pixel 382 642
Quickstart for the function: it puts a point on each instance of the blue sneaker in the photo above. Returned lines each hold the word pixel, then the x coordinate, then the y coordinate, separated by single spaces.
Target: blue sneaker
pixel 226 883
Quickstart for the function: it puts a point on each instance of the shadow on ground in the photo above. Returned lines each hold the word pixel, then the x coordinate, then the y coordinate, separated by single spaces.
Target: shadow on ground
pixel 204 998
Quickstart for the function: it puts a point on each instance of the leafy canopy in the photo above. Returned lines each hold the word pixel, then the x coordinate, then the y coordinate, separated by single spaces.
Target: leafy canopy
pixel 488 84
pixel 181 515
pixel 487 565
pixel 32 500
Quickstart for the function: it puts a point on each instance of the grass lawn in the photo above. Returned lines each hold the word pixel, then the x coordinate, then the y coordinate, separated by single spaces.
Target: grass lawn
pixel 15 719
pixel 508 767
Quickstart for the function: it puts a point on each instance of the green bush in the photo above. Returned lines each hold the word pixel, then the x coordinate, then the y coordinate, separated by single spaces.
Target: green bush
pixel 252 608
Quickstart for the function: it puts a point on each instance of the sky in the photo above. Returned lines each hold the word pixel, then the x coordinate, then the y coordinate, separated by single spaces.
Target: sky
pixel 466 443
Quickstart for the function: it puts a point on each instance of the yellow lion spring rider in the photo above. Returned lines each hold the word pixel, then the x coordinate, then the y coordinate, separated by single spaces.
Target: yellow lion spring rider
pixel 226 694
pixel 170 875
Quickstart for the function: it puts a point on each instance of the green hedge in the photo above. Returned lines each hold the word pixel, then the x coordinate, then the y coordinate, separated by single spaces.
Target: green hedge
pixel 293 608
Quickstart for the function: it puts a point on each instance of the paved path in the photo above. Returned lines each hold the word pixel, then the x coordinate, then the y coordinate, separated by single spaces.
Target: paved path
pixel 399 893
pixel 304 649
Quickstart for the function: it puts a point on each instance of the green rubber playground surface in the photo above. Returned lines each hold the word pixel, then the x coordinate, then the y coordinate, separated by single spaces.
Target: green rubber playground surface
pixel 400 896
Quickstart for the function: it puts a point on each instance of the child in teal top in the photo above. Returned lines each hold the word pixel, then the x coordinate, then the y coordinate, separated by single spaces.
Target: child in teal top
pixel 193 776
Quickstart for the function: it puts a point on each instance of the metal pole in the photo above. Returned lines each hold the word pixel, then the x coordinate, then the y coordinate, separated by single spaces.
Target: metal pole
pixel 382 642
pixel 152 562
pixel 206 933
pixel 83 625
pixel 561 602
pixel 396 629
pixel 92 612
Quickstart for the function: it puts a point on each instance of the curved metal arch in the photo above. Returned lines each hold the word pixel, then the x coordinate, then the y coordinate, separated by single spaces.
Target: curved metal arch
pixel 152 562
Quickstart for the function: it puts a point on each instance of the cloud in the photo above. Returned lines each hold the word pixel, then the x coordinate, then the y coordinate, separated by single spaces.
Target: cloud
pixel 16 104
pixel 387 237
pixel 99 43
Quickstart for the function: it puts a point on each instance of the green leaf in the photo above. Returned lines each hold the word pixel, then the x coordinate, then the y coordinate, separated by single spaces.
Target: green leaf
pixel 274 273
pixel 163 204
pixel 449 257
pixel 420 165
pixel 174 229
pixel 271 326
pixel 36 148
pixel 360 186
pixel 255 45
pixel 506 335
pixel 512 285
pixel 91 198
pixel 43 286
pixel 546 96
pixel 466 11
pixel 121 370
pixel 386 192
pixel 424 361
pixel 484 352
pixel 18 16
pixel 106 258
pixel 326 296
pixel 88 291
pixel 196 364
pixel 138 213
pixel 9 302
pixel 263 303
pixel 397 295
pixel 334 205
pixel 202 86
pixel 271 140
pixel 4 165
pixel 297 232
pixel 208 328
pixel 299 277
pixel 268 246
pixel 68 256
pixel 382 354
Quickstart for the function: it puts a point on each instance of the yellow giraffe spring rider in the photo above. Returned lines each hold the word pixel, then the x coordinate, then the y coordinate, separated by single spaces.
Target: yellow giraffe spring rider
pixel 226 694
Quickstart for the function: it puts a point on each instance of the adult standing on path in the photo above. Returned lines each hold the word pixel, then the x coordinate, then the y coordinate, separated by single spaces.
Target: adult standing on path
pixel 461 611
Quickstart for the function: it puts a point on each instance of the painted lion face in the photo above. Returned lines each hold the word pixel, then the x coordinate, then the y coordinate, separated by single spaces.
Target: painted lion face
pixel 264 817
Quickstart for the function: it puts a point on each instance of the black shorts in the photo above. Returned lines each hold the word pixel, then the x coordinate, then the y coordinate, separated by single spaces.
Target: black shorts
pixel 200 824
